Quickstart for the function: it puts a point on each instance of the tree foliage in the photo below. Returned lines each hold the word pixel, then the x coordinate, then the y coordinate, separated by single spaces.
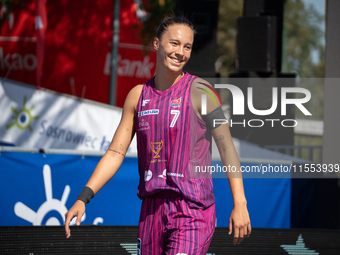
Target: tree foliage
pixel 156 11
pixel 229 11
pixel 304 51
pixel 302 45
pixel 6 8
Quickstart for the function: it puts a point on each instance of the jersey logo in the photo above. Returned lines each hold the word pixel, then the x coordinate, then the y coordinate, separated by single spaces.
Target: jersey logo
pixel 147 175
pixel 176 102
pixel 170 174
pixel 175 174
pixel 144 102
pixel 148 112
pixel 156 148
pixel 163 175
pixel 143 125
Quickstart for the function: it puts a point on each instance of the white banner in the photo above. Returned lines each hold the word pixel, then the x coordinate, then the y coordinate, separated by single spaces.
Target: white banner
pixel 45 119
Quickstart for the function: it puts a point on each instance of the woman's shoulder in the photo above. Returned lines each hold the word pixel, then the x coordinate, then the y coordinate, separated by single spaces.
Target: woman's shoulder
pixel 199 81
pixel 136 91
pixel 200 86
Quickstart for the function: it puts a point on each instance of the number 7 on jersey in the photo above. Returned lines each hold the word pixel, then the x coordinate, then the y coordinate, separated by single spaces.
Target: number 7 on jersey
pixel 176 113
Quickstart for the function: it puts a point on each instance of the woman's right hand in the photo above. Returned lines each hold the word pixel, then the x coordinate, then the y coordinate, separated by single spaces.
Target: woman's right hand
pixel 77 210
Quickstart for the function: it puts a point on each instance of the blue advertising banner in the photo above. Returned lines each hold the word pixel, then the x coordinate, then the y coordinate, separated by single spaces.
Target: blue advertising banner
pixel 38 189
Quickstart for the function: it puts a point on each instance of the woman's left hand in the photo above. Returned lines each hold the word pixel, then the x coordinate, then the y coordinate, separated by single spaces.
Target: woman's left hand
pixel 240 222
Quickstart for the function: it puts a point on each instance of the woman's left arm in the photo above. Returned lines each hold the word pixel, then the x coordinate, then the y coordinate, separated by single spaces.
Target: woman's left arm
pixel 239 221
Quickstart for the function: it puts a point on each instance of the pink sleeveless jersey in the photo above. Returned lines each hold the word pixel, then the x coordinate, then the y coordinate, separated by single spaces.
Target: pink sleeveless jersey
pixel 171 141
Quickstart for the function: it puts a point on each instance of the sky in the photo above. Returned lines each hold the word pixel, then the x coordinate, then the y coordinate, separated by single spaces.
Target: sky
pixel 319 4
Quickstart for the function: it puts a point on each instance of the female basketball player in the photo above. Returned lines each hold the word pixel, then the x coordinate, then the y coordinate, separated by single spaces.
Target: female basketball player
pixel 178 209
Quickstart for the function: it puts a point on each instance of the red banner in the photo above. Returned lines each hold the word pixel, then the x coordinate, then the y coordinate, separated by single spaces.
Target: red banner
pixel 77 48
pixel 17 45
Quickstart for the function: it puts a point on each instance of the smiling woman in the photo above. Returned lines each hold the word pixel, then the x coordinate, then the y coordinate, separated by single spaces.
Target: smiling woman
pixel 173 44
pixel 178 209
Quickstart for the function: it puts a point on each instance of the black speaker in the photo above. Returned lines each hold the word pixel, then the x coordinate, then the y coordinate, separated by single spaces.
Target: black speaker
pixel 204 16
pixel 255 8
pixel 256 43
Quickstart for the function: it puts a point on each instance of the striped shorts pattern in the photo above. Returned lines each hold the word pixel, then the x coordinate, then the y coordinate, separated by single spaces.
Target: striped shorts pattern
pixel 170 226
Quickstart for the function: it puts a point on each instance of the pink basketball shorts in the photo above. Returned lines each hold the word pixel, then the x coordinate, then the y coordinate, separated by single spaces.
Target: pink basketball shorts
pixel 171 226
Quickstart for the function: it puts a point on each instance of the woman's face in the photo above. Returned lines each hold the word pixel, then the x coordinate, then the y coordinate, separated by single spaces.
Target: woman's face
pixel 174 47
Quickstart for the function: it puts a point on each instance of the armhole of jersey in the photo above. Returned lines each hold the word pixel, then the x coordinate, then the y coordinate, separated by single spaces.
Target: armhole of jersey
pixel 191 104
pixel 139 99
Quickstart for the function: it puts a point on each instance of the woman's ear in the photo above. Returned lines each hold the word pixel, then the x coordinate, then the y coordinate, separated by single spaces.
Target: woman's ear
pixel 156 43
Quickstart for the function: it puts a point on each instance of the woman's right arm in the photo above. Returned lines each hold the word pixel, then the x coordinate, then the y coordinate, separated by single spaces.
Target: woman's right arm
pixel 112 159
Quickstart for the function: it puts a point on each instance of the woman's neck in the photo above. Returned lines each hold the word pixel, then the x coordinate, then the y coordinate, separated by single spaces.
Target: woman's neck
pixel 164 82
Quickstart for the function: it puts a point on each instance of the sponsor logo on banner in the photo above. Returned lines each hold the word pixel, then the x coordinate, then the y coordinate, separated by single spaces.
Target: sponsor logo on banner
pixel 72 137
pixel 22 117
pixel 298 248
pixel 131 248
pixel 17 61
pixel 19 58
pixel 51 120
pixel 130 67
pixel 50 205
